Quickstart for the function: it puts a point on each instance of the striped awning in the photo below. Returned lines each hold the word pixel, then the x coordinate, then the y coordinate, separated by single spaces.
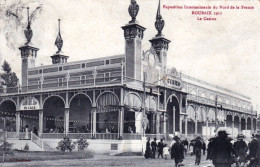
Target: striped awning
pixel 150 104
pixel 132 102
pixel 107 102
pixel 201 115
pixel 211 115
pixel 191 113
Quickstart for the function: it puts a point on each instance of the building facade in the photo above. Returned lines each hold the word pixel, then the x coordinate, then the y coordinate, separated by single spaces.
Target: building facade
pixel 119 97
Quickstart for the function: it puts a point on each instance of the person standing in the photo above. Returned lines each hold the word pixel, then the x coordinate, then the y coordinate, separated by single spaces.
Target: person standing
pixel 254 152
pixel 185 143
pixel 241 148
pixel 166 151
pixel 204 147
pixel 210 147
pixel 171 146
pixel 222 151
pixel 26 132
pixel 177 151
pixel 147 153
pixel 160 148
pixel 198 147
pixel 154 146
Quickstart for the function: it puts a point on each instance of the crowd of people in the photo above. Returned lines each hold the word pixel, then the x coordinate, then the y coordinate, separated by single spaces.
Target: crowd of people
pixel 221 150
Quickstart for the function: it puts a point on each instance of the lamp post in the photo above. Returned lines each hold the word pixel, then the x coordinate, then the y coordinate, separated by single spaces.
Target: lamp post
pixel 216 114
pixel 144 119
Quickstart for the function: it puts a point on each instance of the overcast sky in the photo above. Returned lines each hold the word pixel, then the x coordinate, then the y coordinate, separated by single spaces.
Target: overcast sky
pixel 225 52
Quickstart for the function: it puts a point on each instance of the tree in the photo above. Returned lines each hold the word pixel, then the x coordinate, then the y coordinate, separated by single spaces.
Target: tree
pixel 9 78
pixel 65 145
pixel 82 143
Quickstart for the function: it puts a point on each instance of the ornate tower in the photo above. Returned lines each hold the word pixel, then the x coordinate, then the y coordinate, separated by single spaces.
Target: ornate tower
pixel 159 43
pixel 133 34
pixel 28 53
pixel 58 58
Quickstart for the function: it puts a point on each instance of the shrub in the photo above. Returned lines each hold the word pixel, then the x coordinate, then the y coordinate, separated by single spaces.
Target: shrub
pixel 65 145
pixel 81 143
pixel 26 147
pixel 5 147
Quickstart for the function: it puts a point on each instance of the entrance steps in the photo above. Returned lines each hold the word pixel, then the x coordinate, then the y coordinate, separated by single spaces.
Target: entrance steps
pixel 20 144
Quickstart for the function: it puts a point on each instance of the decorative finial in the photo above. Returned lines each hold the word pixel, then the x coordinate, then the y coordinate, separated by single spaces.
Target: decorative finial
pixel 28 31
pixel 159 23
pixel 59 41
pixel 133 11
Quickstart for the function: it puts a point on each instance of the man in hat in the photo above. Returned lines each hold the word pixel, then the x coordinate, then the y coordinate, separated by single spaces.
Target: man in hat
pixel 177 151
pixel 222 152
pixel 197 149
pixel 160 148
pixel 185 143
pixel 154 145
pixel 241 148
pixel 254 153
pixel 172 143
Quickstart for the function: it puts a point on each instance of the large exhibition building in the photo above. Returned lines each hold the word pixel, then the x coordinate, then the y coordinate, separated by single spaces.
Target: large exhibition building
pixel 119 97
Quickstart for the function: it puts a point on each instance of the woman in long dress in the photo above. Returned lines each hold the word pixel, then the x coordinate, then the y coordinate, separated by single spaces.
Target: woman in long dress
pixel 147 153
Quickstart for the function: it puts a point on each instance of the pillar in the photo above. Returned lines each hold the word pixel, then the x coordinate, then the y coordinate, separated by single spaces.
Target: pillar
pixel 157 123
pixel 233 119
pixel 196 124
pixel 207 127
pixel 67 121
pixel 18 122
pixel 252 125
pixel 245 123
pixel 164 124
pixel 121 129
pixel 181 124
pixel 40 122
pixel 173 120
pixel 186 125
pixel 94 117
pixel 239 128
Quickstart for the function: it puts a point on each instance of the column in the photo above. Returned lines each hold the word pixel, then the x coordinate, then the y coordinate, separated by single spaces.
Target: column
pixel 239 128
pixel 164 124
pixel 67 121
pixel 157 123
pixel 121 123
pixel 196 124
pixel 207 127
pixel 180 124
pixel 233 119
pixel 18 122
pixel 94 112
pixel 252 125
pixel 173 121
pixel 245 123
pixel 186 126
pixel 40 122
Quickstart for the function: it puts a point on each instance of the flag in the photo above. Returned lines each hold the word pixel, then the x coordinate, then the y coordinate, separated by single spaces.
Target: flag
pixel 59 42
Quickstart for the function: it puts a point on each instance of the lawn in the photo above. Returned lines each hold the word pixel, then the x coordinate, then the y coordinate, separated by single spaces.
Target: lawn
pixel 26 156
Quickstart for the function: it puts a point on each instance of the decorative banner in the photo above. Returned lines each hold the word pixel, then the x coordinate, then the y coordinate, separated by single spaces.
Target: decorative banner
pixel 30 103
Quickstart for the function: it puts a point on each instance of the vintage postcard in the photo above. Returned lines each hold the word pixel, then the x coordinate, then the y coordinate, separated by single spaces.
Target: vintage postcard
pixel 118 82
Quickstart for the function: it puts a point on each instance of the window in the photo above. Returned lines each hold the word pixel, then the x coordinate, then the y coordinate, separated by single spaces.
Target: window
pixel 60 81
pixel 60 68
pixel 83 79
pixel 40 71
pixel 39 84
pixel 83 65
pixel 107 61
pixel 107 77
